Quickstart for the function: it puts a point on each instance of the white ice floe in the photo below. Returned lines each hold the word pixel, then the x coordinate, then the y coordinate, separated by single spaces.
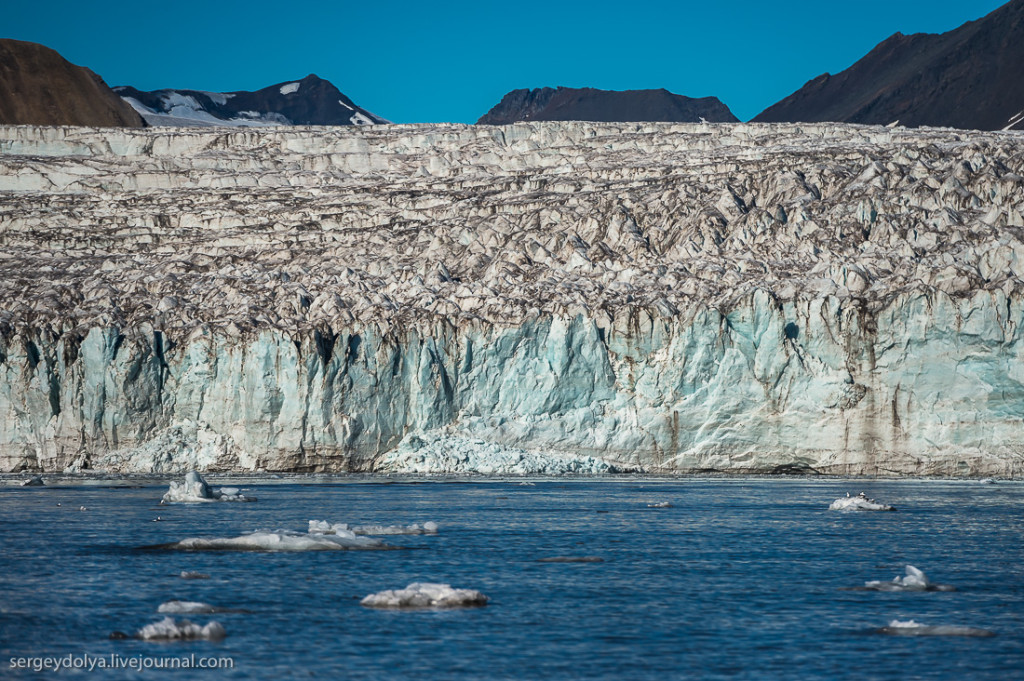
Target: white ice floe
pixel 189 574
pixel 279 540
pixel 34 481
pixel 168 629
pixel 861 502
pixel 912 628
pixel 420 595
pixel 659 504
pixel 186 608
pixel 324 527
pixel 194 489
pixel 290 88
pixel 915 580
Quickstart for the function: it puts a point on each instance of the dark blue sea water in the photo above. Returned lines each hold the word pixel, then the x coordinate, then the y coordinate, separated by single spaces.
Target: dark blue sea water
pixel 739 579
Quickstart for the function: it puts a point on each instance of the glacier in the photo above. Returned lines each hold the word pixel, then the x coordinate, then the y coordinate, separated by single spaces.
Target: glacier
pixel 560 298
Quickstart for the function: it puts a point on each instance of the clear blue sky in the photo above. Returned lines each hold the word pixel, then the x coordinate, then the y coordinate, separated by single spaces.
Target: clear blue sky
pixel 451 61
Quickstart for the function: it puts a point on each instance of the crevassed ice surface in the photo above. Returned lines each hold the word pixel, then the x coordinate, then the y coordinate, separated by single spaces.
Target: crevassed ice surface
pixel 740 579
pixel 562 297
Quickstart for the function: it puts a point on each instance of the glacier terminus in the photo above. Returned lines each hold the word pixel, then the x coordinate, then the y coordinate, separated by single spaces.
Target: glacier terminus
pixel 532 298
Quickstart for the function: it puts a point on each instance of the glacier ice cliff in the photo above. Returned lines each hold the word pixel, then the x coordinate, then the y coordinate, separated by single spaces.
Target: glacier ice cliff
pixel 568 297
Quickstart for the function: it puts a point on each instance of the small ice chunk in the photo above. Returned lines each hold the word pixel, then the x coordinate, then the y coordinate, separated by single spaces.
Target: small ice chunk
pixel 188 574
pixel 861 502
pixel 34 481
pixel 659 504
pixel 168 629
pixel 194 489
pixel 912 628
pixel 324 527
pixel 915 580
pixel 186 608
pixel 281 540
pixel 421 595
pixel 290 88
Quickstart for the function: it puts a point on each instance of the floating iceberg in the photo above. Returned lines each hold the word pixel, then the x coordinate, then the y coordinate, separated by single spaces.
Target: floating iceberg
pixel 421 595
pixel 915 580
pixel 186 608
pixel 168 629
pixel 324 527
pixel 189 574
pixel 34 481
pixel 279 540
pixel 912 628
pixel 861 502
pixel 195 490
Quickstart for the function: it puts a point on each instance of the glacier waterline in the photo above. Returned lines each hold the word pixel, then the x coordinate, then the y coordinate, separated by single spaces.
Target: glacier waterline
pixel 740 578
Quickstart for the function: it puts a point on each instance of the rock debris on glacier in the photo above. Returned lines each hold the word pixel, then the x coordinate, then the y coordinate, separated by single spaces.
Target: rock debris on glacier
pixel 647 296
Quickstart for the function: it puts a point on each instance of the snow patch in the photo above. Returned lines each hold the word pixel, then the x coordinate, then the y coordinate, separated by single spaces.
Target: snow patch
pixel 431 454
pixel 345 105
pixel 168 629
pixel 422 595
pixel 1014 121
pixel 290 88
pixel 359 119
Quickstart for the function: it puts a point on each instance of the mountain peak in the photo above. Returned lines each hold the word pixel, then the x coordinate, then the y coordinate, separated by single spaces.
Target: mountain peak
pixel 589 104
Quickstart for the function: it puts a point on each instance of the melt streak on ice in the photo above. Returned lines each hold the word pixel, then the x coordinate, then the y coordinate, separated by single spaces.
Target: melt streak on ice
pixel 644 296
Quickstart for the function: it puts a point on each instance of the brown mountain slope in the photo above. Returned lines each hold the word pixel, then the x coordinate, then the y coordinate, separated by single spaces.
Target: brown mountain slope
pixel 971 77
pixel 39 87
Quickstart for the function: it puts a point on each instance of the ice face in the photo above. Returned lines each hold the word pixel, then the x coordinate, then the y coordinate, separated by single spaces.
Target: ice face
pixel 195 490
pixel 669 298
pixel 912 628
pixel 168 629
pixel 424 595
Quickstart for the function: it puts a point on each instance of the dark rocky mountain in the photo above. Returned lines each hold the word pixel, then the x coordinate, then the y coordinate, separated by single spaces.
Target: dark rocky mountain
pixel 40 87
pixel 971 77
pixel 310 101
pixel 587 104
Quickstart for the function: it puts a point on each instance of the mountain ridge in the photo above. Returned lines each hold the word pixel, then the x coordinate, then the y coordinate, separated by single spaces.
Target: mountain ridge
pixel 589 104
pixel 966 78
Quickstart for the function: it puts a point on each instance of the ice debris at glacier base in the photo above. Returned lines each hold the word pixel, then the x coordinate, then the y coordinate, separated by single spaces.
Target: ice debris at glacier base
pixel 324 527
pixel 168 629
pixel 663 297
pixel 194 489
pixel 913 628
pixel 858 503
pixel 440 454
pixel 425 595
pixel 914 580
